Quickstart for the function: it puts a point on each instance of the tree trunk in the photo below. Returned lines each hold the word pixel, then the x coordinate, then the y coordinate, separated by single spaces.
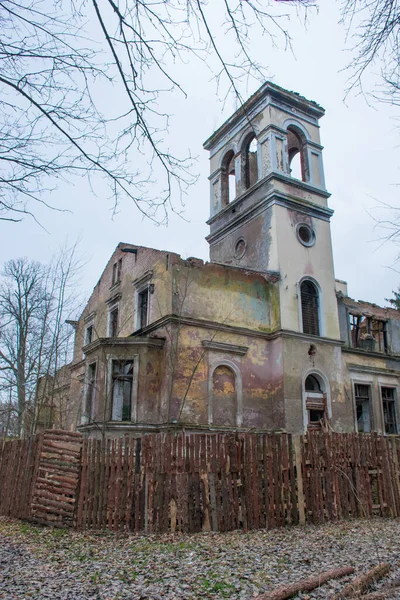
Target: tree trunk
pixel 305 585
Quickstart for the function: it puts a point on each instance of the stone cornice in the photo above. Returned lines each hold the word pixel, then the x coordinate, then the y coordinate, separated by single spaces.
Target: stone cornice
pixel 223 327
pixel 222 347
pixel 373 370
pixel 362 352
pixel 124 341
pixel 273 198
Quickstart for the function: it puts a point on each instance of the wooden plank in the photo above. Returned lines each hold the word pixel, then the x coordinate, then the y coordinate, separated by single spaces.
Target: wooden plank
pixel 299 479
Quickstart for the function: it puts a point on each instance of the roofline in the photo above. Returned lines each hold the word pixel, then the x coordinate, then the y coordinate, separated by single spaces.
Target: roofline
pixel 276 92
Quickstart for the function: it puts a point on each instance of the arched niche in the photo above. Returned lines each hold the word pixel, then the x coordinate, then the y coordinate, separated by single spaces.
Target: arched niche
pixel 225 394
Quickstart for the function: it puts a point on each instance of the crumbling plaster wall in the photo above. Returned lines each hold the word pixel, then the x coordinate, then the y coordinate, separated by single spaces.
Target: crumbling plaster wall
pixel 227 296
pixel 134 267
pixel 325 360
pixel 257 359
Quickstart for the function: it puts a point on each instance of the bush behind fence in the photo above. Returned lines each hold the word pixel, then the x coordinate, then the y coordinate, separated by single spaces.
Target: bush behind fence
pixel 194 482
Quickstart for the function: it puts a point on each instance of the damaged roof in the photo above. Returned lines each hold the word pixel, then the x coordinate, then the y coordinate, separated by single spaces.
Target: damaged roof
pixel 368 309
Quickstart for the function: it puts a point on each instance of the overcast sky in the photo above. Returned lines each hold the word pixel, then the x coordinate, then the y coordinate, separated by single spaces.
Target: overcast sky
pixel 361 160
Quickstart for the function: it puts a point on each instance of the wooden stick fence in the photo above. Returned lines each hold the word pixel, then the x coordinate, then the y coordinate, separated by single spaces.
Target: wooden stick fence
pixel 194 482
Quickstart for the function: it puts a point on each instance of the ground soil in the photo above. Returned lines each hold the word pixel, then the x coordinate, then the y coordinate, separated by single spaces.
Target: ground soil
pixel 45 563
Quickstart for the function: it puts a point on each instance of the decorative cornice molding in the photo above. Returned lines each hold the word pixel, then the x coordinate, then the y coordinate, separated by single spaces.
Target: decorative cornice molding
pixel 362 352
pixel 143 279
pixel 121 342
pixel 222 347
pixel 373 370
pixel 113 299
pixel 90 316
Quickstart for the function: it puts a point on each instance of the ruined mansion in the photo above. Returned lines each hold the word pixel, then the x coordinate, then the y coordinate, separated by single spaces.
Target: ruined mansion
pixel 262 337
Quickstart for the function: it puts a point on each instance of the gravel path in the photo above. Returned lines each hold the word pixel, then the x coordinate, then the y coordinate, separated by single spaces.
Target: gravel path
pixel 43 563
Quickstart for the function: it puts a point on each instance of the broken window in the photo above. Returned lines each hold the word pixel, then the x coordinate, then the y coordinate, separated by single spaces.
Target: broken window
pixel 224 396
pixel 89 334
pixel 116 274
pixel 113 322
pixel 389 409
pixel 298 161
pixel 90 391
pixel 315 401
pixel 250 162
pixel 121 394
pixel 362 394
pixel 228 179
pixel 368 333
pixel 143 298
pixel 310 307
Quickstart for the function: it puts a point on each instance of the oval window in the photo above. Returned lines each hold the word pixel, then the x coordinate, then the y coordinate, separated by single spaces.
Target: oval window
pixel 305 234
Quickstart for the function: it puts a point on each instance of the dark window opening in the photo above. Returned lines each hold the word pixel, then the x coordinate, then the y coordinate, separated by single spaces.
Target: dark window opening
pixel 315 402
pixel 310 307
pixel 389 410
pixel 89 335
pixel 368 333
pixel 250 162
pixel 298 162
pixel 362 397
pixel 116 275
pixel 90 391
pixel 316 416
pixel 122 381
pixel 113 326
pixel 228 179
pixel 143 308
pixel 312 384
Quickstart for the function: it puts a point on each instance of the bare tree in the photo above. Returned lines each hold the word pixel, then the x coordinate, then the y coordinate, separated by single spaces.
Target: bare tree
pixel 375 27
pixel 57 62
pixel 35 300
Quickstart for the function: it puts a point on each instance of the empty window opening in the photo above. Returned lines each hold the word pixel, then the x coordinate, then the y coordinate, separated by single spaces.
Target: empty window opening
pixel 143 299
pixel 362 394
pixel 224 396
pixel 121 394
pixel 389 409
pixel 113 322
pixel 298 163
pixel 310 307
pixel 90 391
pixel 228 179
pixel 89 334
pixel 116 275
pixel 368 333
pixel 315 401
pixel 312 384
pixel 295 166
pixel 251 165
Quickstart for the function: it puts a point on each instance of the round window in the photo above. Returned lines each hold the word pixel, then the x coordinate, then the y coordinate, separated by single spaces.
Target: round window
pixel 305 234
pixel 240 248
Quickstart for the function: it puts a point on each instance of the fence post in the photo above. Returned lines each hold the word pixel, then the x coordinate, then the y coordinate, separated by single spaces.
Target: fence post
pixel 299 476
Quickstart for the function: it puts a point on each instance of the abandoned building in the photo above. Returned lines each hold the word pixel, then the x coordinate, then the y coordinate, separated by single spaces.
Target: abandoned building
pixel 262 337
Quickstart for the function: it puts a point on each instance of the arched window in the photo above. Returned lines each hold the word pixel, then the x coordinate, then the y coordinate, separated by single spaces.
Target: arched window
pixel 298 161
pixel 228 179
pixel 312 384
pixel 316 401
pixel 250 161
pixel 310 307
pixel 224 401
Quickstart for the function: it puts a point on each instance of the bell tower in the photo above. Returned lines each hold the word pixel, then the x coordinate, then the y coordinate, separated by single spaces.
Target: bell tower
pixel 269 209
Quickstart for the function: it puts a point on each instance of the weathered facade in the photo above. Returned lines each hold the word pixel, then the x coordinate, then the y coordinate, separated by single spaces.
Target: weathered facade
pixel 262 337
